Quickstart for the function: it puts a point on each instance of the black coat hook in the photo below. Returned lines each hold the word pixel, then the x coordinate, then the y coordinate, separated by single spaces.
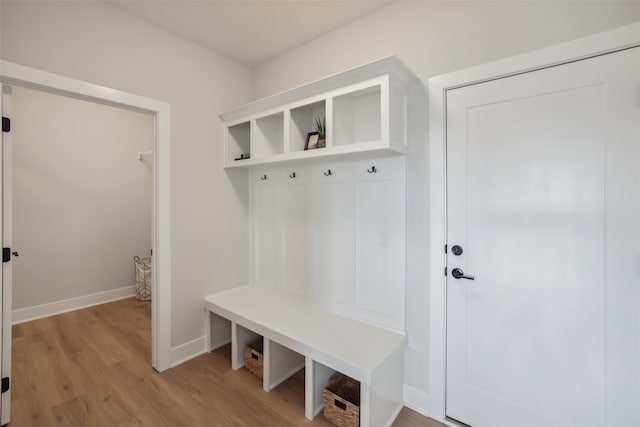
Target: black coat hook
pixel 328 172
pixel 372 170
pixel 293 175
pixel 264 177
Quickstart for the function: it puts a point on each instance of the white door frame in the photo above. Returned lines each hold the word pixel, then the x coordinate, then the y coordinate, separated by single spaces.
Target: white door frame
pixel 17 75
pixel 597 44
pixel 6 292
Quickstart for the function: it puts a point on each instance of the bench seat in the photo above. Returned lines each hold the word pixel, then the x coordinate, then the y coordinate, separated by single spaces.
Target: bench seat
pixel 325 342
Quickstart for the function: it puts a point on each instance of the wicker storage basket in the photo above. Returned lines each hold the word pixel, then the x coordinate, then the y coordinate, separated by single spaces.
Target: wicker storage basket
pixel 143 278
pixel 342 401
pixel 253 358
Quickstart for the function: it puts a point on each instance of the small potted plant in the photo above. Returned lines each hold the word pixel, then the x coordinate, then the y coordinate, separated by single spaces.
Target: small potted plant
pixel 320 126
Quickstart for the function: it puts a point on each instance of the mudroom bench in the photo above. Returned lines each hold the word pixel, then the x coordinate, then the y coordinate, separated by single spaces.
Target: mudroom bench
pixel 297 334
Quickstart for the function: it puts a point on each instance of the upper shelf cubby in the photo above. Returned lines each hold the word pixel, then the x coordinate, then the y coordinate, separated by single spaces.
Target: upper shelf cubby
pixel 362 110
pixel 302 122
pixel 357 116
pixel 238 141
pixel 268 137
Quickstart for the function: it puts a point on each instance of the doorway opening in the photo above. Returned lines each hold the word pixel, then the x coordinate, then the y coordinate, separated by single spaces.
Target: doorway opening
pixel 81 202
pixel 14 75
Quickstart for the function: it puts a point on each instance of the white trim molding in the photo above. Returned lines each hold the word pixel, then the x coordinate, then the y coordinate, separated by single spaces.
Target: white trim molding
pixel 597 44
pixel 71 304
pixel 19 75
pixel 189 350
pixel 416 399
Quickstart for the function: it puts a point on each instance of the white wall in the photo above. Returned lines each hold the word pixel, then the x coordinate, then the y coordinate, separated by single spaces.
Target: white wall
pixel 96 42
pixel 81 198
pixel 433 38
pixel 436 37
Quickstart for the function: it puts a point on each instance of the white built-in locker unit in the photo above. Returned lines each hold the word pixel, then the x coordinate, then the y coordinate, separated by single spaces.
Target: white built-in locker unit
pixel 328 229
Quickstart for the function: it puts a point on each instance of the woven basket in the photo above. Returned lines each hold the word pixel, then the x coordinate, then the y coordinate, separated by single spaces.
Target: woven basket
pixel 143 278
pixel 253 358
pixel 342 401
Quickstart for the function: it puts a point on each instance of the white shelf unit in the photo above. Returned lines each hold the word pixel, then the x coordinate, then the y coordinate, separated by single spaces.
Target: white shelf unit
pixel 328 245
pixel 365 111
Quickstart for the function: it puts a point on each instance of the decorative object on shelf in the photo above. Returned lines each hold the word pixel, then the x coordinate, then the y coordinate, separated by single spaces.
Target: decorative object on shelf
pixel 372 170
pixel 243 156
pixel 328 172
pixel 312 141
pixel 320 125
pixel 264 177
pixel 293 175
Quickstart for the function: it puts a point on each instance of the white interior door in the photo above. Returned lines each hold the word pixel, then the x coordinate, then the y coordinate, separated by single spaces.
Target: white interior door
pixel 543 191
pixel 7 238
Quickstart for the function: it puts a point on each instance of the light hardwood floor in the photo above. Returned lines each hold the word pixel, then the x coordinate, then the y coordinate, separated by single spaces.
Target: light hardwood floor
pixel 91 367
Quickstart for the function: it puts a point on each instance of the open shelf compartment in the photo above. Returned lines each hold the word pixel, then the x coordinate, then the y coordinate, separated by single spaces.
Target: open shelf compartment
pixel 238 142
pixel 302 123
pixel 280 364
pixel 268 136
pixel 357 117
pixel 241 337
pixel 317 378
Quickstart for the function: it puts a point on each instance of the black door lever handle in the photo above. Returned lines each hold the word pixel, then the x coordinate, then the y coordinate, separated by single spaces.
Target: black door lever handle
pixel 459 274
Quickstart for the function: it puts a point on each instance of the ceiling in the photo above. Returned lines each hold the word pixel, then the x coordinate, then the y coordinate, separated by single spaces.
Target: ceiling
pixel 250 31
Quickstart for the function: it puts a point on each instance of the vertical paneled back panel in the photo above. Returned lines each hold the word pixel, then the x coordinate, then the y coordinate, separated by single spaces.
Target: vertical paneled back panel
pixel 265 234
pixel 294 236
pixel 380 243
pixel 331 225
pixel 338 239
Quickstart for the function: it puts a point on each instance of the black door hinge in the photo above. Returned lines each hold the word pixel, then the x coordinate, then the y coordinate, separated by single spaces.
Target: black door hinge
pixel 6 254
pixel 445 271
pixel 6 124
pixel 5 384
pixel 445 249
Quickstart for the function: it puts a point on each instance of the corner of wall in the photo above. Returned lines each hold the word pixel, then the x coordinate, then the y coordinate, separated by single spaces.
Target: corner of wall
pixel 416 399
pixel 187 351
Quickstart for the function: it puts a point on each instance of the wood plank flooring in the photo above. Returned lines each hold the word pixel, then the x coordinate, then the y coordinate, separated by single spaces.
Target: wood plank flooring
pixel 92 367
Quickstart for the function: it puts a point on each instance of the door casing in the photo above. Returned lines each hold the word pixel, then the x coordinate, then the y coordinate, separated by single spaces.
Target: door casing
pixel 12 74
pixel 586 47
pixel 7 268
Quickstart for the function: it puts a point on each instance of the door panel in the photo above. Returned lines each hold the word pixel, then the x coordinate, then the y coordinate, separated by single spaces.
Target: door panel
pixel 332 247
pixel 377 270
pixel 292 214
pixel 542 188
pixel 265 253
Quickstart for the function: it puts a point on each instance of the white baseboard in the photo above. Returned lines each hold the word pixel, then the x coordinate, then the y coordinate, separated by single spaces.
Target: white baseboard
pixel 71 304
pixel 188 351
pixel 416 399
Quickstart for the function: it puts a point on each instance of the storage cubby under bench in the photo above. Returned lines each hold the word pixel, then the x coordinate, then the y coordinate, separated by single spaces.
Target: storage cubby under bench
pixel 300 334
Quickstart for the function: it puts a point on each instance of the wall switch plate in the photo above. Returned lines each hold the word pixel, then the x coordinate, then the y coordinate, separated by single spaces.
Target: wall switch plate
pixel 383 242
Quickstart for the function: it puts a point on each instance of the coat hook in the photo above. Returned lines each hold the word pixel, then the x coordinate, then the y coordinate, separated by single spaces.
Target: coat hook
pixel 293 175
pixel 328 172
pixel 372 170
pixel 264 177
